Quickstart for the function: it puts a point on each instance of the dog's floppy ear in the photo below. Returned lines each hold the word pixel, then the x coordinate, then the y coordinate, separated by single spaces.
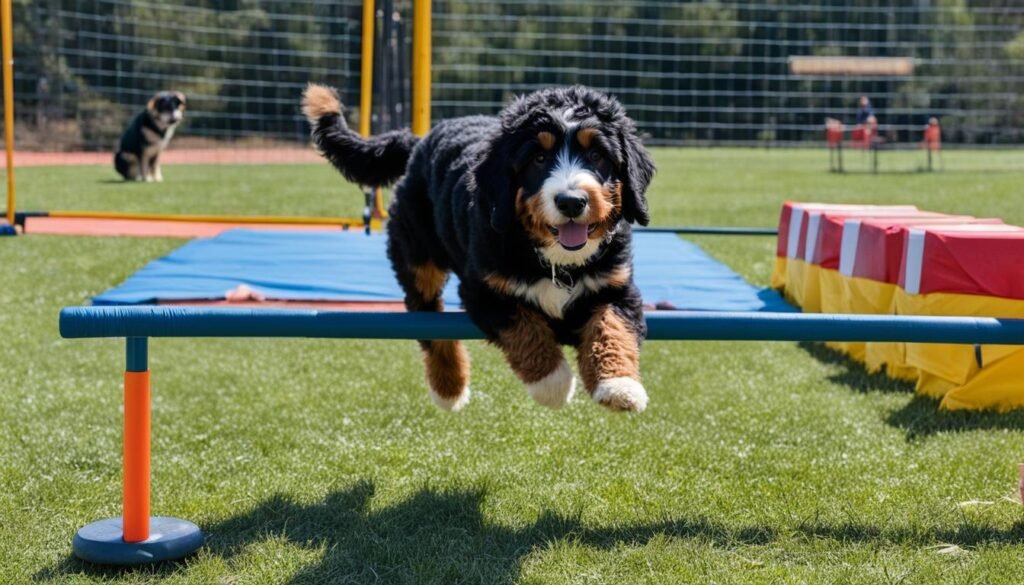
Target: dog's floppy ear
pixel 151 104
pixel 495 180
pixel 181 98
pixel 638 169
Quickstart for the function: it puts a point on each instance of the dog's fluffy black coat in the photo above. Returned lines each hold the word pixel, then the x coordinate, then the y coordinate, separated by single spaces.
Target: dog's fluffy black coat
pixel 459 206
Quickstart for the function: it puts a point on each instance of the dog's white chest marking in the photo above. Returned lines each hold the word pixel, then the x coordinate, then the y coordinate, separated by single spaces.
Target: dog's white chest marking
pixel 155 139
pixel 552 297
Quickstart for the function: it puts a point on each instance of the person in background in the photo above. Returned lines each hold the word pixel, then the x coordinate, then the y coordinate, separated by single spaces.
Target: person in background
pixel 864 110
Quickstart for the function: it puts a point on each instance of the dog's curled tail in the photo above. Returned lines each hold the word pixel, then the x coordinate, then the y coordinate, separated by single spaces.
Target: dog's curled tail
pixel 374 161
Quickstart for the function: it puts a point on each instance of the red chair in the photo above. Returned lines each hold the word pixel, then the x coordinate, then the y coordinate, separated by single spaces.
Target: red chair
pixel 834 139
pixel 865 136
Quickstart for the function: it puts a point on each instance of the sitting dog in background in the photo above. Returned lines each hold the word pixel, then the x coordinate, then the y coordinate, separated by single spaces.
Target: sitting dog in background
pixel 532 210
pixel 138 157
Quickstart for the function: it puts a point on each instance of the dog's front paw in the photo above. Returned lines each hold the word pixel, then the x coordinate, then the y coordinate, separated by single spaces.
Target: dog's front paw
pixel 621 394
pixel 556 389
pixel 451 403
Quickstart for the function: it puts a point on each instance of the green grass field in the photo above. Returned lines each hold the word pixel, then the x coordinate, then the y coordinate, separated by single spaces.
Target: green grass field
pixel 316 461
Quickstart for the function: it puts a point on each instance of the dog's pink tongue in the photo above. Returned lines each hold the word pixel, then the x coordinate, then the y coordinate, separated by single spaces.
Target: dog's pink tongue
pixel 572 235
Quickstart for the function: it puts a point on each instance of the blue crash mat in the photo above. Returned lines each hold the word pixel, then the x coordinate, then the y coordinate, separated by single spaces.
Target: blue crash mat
pixel 350 266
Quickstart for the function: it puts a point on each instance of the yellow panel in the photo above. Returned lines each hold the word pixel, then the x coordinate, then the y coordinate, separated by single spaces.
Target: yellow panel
pixel 946 368
pixel 842 294
pixel 779 273
pixel 999 385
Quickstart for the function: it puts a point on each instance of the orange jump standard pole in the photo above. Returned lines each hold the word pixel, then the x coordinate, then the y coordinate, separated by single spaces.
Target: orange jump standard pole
pixel 135 515
pixel 8 69
pixel 136 538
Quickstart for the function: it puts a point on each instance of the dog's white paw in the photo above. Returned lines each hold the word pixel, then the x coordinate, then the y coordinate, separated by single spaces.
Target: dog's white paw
pixel 621 394
pixel 556 389
pixel 451 403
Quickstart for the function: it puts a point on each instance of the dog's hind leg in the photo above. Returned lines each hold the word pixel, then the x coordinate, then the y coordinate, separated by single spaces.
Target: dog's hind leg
pixel 446 361
pixel 127 165
pixel 447 366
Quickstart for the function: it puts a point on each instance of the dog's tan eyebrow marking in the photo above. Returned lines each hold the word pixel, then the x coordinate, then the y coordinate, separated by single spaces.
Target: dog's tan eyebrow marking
pixel 546 140
pixel 585 136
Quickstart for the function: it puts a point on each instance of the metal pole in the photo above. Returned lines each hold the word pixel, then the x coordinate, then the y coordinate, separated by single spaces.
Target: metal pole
pixel 371 193
pixel 158 321
pixel 8 68
pixel 135 513
pixel 136 538
pixel 366 69
pixel 421 32
pixel 709 230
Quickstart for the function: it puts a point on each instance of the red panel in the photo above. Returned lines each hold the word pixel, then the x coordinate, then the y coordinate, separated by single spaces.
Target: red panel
pixel 830 230
pixel 881 243
pixel 786 218
pixel 974 261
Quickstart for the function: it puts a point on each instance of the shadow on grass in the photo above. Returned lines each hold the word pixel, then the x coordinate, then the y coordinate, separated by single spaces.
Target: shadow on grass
pixel 432 537
pixel 963 535
pixel 443 537
pixel 921 416
pixel 854 375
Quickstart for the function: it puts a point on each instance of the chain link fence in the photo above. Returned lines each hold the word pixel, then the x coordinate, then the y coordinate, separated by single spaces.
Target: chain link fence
pixel 690 72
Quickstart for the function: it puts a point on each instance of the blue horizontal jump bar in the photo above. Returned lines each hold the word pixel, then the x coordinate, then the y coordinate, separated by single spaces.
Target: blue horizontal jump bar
pixel 710 230
pixel 162 321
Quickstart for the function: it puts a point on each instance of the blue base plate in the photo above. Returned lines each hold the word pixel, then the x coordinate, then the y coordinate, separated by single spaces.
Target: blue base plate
pixel 7 229
pixel 169 539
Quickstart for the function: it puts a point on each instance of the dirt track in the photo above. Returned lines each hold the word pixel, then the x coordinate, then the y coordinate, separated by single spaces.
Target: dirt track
pixel 171 157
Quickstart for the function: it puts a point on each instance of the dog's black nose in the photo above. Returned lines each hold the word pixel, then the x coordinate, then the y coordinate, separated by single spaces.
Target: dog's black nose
pixel 570 205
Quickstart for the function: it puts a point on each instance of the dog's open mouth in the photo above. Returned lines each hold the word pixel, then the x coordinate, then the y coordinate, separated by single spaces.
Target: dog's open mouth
pixel 571 235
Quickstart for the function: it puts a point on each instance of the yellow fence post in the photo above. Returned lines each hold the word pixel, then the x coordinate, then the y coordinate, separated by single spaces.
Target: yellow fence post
pixel 366 75
pixel 8 68
pixel 421 31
